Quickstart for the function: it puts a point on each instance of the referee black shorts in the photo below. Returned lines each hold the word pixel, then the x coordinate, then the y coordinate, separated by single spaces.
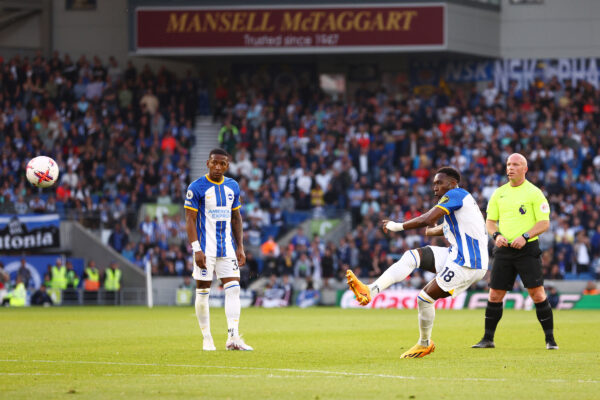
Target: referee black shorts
pixel 508 262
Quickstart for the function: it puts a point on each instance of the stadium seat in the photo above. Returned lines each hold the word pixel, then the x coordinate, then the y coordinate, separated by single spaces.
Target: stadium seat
pixel 296 217
pixel 268 230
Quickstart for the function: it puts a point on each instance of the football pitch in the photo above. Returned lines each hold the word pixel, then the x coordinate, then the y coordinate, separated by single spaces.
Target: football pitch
pixel 319 353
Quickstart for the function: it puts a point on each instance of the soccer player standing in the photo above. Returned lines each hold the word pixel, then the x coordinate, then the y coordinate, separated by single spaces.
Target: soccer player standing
pixel 457 267
pixel 214 227
pixel 516 214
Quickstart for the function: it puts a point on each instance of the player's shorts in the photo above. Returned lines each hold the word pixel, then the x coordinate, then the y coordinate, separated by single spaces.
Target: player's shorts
pixel 451 277
pixel 225 267
pixel 508 262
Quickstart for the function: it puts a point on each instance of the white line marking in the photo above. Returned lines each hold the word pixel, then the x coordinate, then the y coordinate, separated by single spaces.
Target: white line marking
pixel 294 371
pixel 163 375
pixel 29 374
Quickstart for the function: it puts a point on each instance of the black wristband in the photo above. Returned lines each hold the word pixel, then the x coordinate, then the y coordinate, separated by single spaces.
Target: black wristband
pixel 495 235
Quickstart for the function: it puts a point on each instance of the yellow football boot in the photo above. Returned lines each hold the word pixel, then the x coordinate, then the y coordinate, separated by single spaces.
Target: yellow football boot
pixel 418 351
pixel 361 291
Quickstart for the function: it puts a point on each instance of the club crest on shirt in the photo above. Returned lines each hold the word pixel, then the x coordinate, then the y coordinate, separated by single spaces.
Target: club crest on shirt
pixel 444 199
pixel 522 209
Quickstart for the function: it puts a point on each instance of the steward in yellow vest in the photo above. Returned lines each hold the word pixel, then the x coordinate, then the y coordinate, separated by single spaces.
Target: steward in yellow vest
pixel 112 278
pixel 59 275
pixel 18 296
pixel 72 277
pixel 92 277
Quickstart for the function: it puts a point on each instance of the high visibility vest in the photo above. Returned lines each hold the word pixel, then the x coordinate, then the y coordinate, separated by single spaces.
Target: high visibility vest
pixel 113 279
pixel 18 296
pixel 93 279
pixel 72 279
pixel 59 277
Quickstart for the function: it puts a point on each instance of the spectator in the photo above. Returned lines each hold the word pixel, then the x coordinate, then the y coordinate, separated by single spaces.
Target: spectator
pixel 24 274
pixel 591 289
pixel 41 298
pixel 303 267
pixel 118 239
pixel 553 296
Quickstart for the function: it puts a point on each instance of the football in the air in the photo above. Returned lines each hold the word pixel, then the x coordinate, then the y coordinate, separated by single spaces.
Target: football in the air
pixel 42 171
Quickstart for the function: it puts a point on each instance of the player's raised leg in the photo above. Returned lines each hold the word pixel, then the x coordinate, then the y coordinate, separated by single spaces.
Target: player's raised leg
pixel 397 272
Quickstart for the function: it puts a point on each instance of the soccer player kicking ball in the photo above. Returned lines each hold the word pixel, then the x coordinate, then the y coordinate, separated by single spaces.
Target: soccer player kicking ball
pixel 214 227
pixel 458 267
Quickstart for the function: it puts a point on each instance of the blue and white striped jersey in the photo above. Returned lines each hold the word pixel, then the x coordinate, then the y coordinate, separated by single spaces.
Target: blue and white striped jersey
pixel 214 202
pixel 464 228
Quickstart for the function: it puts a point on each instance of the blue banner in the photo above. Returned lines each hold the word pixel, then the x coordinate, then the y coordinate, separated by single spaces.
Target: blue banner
pixel 38 266
pixel 523 72
pixel 25 232
pixel 431 72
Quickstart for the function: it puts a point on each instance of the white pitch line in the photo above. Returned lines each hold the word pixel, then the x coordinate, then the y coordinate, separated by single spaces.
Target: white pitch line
pixel 295 371
pixel 162 375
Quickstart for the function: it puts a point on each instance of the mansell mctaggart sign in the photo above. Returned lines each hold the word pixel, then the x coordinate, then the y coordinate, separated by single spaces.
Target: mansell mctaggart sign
pixel 254 30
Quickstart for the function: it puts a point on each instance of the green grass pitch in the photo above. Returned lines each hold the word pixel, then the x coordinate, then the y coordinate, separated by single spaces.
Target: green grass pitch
pixel 320 353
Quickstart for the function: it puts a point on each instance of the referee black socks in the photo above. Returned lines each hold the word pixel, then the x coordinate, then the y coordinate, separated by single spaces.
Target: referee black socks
pixel 493 313
pixel 544 315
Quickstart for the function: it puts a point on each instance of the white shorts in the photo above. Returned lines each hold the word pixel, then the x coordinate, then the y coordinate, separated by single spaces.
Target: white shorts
pixel 451 277
pixel 225 267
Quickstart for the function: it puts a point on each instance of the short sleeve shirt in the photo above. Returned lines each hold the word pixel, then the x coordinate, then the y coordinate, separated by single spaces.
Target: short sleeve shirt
pixel 517 209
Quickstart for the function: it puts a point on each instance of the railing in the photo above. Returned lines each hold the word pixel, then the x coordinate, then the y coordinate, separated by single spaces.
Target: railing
pixel 80 297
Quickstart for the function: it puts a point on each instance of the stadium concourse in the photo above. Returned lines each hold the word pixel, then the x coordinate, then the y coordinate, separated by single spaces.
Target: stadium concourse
pixel 123 137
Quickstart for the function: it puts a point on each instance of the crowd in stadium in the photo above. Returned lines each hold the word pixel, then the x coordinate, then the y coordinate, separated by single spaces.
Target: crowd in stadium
pixel 122 138
pixel 295 149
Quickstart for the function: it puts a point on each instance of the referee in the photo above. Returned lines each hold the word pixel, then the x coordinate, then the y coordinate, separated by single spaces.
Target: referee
pixel 516 214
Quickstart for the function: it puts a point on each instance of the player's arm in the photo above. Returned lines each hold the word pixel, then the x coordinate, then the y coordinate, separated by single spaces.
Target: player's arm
pixel 437 230
pixel 429 218
pixel 191 217
pixel 238 234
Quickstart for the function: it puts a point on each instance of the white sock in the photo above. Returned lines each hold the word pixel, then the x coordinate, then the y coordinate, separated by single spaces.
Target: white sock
pixel 203 311
pixel 426 317
pixel 232 307
pixel 397 272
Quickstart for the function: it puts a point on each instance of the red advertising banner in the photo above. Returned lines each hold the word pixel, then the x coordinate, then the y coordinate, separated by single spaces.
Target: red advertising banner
pixel 403 299
pixel 290 29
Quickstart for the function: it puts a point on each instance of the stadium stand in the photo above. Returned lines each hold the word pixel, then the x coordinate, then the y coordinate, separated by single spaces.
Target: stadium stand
pixel 122 138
